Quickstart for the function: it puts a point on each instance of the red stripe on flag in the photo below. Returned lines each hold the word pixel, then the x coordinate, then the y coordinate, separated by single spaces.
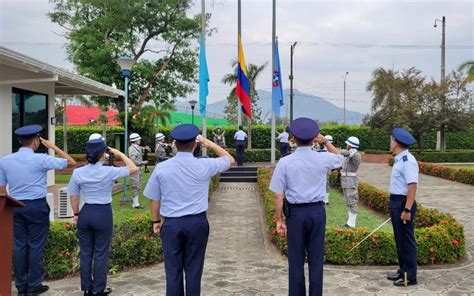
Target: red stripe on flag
pixel 244 99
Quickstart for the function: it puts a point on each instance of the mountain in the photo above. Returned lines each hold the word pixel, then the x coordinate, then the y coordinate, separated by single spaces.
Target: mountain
pixel 305 105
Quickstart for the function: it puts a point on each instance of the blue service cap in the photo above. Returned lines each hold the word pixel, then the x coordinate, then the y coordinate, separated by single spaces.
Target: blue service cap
pixel 185 132
pixel 304 128
pixel 403 136
pixel 28 131
pixel 95 147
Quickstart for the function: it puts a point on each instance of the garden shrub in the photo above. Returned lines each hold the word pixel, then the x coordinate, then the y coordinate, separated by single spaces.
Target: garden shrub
pixel 440 238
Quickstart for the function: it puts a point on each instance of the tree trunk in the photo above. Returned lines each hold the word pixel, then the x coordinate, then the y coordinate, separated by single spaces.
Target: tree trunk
pixel 104 122
pixel 64 125
pixel 421 146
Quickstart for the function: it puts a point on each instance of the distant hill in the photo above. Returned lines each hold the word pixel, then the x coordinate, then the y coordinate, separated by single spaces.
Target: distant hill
pixel 305 105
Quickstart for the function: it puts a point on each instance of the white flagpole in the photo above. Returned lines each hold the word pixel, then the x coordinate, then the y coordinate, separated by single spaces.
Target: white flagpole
pixel 239 29
pixel 203 29
pixel 273 59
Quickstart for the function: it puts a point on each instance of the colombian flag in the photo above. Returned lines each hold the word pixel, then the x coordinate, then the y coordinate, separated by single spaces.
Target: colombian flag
pixel 243 86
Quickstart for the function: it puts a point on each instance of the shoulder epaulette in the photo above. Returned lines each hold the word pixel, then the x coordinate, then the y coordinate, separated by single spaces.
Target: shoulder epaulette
pixel 405 158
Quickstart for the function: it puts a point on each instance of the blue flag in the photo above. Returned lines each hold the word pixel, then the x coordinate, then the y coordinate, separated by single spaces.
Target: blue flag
pixel 203 79
pixel 277 89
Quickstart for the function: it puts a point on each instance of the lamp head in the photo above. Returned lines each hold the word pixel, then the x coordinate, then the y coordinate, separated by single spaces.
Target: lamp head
pixel 126 64
pixel 192 103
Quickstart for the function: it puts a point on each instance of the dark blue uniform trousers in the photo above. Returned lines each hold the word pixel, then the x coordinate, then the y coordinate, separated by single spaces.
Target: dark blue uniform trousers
pixel 306 229
pixel 240 151
pixel 184 242
pixel 404 237
pixel 30 233
pixel 94 228
pixel 283 149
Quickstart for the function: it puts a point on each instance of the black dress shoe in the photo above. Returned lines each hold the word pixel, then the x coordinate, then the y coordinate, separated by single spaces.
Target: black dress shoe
pixel 394 276
pixel 139 207
pixel 38 290
pixel 401 283
pixel 346 226
pixel 106 291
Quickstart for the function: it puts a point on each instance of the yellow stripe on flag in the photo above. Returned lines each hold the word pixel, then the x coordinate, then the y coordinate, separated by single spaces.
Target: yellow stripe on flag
pixel 242 59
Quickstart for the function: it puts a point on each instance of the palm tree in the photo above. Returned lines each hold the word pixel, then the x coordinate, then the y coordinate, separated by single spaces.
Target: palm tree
pixel 254 72
pixel 469 66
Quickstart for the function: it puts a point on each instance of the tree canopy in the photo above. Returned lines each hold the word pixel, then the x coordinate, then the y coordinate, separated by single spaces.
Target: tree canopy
pixel 408 99
pixel 158 35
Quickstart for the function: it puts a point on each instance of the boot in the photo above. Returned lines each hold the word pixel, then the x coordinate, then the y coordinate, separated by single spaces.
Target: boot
pixel 351 220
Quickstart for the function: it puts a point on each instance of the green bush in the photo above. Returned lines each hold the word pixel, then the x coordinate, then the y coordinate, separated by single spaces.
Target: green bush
pixel 460 175
pixel 133 244
pixel 261 137
pixel 455 156
pixel 439 237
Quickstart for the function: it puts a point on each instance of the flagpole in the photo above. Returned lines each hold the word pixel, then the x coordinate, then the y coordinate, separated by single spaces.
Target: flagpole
pixel 203 33
pixel 239 29
pixel 273 59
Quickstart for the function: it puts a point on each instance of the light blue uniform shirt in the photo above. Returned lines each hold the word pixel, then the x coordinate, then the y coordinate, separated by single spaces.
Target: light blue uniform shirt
pixel 404 171
pixel 283 137
pixel 25 172
pixel 302 176
pixel 95 182
pixel 182 183
pixel 240 135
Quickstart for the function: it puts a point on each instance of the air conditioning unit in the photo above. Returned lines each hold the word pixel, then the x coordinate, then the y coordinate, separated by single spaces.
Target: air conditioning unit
pixel 50 201
pixel 64 204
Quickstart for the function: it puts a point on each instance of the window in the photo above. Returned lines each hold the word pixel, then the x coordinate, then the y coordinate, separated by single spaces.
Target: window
pixel 29 108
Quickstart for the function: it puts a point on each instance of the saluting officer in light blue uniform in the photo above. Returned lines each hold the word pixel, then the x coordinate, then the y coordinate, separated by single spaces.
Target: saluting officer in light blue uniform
pixel 25 173
pixel 301 177
pixel 403 185
pixel 178 189
pixel 94 221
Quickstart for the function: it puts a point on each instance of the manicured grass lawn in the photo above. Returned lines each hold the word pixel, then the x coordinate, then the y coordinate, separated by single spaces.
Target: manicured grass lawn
pixel 462 166
pixel 336 214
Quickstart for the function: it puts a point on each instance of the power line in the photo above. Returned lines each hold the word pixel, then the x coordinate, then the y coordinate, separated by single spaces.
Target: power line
pixel 157 46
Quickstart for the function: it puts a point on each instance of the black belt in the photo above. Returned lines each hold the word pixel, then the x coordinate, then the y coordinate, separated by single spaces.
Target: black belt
pixel 43 199
pixel 397 196
pixel 88 204
pixel 202 214
pixel 304 205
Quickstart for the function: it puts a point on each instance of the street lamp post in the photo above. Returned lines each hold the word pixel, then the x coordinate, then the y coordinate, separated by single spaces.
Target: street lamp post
pixel 345 76
pixel 126 64
pixel 442 130
pixel 292 50
pixel 193 104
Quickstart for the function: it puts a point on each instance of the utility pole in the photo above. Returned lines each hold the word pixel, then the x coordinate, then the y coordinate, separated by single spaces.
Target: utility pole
pixel 239 29
pixel 292 50
pixel 442 129
pixel 345 76
pixel 273 156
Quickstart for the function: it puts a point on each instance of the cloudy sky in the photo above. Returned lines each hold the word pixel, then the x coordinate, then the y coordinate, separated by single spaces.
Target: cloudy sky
pixel 333 37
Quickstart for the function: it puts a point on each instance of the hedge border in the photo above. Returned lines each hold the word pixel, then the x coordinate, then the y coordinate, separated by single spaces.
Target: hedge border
pixel 133 244
pixel 460 175
pixel 261 134
pixel 440 238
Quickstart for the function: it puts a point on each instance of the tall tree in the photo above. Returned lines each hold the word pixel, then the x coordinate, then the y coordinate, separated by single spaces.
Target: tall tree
pixel 407 99
pixel 157 34
pixel 254 72
pixel 469 68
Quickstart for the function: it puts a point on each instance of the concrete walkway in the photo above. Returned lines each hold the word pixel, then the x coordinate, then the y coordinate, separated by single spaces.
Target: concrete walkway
pixel 241 261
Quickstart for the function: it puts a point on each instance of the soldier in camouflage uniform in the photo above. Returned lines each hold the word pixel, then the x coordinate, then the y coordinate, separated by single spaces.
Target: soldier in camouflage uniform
pixel 160 148
pixel 135 152
pixel 349 179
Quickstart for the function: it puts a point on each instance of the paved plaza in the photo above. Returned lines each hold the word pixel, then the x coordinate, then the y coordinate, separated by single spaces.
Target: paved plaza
pixel 241 260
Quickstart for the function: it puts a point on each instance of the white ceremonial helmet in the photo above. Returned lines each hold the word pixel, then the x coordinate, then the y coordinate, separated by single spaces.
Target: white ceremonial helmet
pixel 159 136
pixel 353 142
pixel 134 137
pixel 95 136
pixel 329 138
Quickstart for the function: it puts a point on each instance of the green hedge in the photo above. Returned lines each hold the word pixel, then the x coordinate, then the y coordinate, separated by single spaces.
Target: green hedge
pixel 133 244
pixel 440 238
pixel 261 137
pixel 457 156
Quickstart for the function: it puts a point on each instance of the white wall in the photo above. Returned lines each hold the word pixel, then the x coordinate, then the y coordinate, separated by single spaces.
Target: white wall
pixel 6 115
